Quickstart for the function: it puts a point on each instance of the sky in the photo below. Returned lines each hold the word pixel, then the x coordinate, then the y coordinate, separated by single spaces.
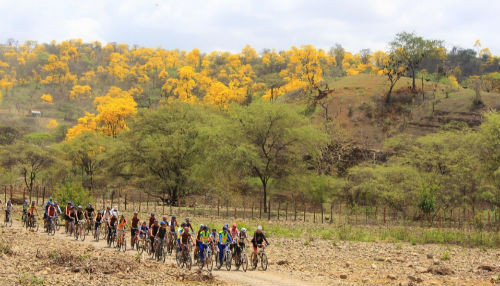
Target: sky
pixel 231 24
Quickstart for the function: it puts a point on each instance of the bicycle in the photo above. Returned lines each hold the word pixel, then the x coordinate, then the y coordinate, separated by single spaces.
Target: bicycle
pixel 261 255
pixel 121 243
pixel 226 259
pixel 171 242
pixel 24 218
pixel 32 223
pixel 135 239
pixel 142 244
pixel 79 231
pixel 97 232
pixel 183 258
pixel 111 236
pixel 51 228
pixel 89 225
pixel 208 261
pixel 241 258
pixel 56 223
pixel 8 218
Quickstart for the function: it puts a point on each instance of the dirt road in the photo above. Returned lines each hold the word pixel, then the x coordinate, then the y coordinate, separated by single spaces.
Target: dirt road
pixel 233 277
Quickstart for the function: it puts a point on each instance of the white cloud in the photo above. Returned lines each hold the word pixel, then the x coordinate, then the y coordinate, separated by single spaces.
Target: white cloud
pixel 231 24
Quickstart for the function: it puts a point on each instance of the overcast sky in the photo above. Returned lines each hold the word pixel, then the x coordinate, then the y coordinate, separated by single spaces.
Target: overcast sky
pixel 231 24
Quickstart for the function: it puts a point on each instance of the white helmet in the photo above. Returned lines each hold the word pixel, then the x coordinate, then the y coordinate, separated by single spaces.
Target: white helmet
pixel 244 230
pixel 259 227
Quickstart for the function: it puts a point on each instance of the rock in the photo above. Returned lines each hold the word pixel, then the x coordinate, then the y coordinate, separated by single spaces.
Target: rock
pixel 343 276
pixel 374 266
pixel 379 259
pixel 392 277
pixel 488 268
pixel 76 269
pixel 440 270
pixel 347 264
pixel 419 280
pixel 412 278
pixel 282 262
pixel 430 256
pixel 436 262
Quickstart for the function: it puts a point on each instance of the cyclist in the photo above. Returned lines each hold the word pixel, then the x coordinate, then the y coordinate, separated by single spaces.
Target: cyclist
pixel 72 218
pixel 153 230
pixel 214 237
pixel 115 211
pixel 26 206
pixel 98 221
pixel 173 224
pixel 188 224
pixel 165 219
pixel 202 227
pixel 143 230
pixel 122 224
pixel 89 215
pixel 134 227
pixel 31 211
pixel 203 242
pixel 9 208
pixel 241 238
pixel 180 230
pixel 47 208
pixel 160 235
pixel 80 216
pixel 224 237
pixel 58 209
pixel 258 239
pixel 67 213
pixel 51 213
pixel 234 235
pixel 151 219
pixel 185 239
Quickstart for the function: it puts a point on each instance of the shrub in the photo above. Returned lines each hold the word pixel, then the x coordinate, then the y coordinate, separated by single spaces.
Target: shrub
pixel 73 192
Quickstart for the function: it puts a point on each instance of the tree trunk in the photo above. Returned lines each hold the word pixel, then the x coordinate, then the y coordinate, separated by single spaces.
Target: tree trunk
pixel 388 96
pixel 414 86
pixel 264 188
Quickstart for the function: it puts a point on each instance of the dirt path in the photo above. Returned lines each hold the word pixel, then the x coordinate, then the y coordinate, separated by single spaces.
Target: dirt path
pixel 233 277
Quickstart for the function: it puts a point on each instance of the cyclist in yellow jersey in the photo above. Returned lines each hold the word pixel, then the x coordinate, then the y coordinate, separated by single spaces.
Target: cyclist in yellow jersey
pixel 204 240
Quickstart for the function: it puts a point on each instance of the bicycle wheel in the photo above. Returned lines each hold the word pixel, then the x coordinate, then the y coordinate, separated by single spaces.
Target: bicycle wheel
pixel 82 235
pixel 209 261
pixel 189 262
pixel 244 262
pixel 263 261
pixel 57 224
pixel 97 234
pixel 227 260
pixel 178 258
pixel 10 221
pixel 237 262
pixel 163 254
pixel 35 228
pixel 124 244
pixel 254 260
pixel 87 229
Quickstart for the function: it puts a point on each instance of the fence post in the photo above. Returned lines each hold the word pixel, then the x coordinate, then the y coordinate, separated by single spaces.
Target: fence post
pixel 260 209
pixel 125 201
pixel 36 194
pixel 218 207
pixel 252 209
pixel 279 206
pixel 331 212
pixel 295 210
pixel 269 210
pixel 243 210
pixel 11 191
pixel 384 215
pixel 43 195
pixel 140 201
pixel 440 211
pixel 304 212
pixel 489 226
pixel 286 211
pixel 314 214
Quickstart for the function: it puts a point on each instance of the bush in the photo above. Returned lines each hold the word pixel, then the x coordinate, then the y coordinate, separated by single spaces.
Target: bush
pixel 73 192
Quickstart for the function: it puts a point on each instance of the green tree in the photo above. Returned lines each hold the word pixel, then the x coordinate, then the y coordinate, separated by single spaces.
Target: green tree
pixel 413 49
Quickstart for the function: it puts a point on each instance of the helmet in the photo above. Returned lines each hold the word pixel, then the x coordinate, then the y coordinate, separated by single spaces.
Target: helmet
pixel 187 219
pixel 234 225
pixel 108 207
pixel 224 228
pixel 70 202
pixel 156 221
pixel 173 217
pixel 205 227
pixel 50 198
pixel 214 229
pixel 183 224
pixel 226 225
pixel 165 218
pixel 144 222
pixel 152 214
pixel 72 208
pixel 115 207
pixel 79 207
pixel 122 216
pixel 201 226
pixel 162 223
pixel 136 212
pixel 33 202
pixel 89 205
pixel 25 201
pixel 259 227
pixel 243 230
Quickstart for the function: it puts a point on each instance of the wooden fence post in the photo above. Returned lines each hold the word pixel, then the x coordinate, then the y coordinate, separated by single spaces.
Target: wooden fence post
pixel 489 226
pixel 218 207
pixel 43 195
pixel 11 191
pixel 260 209
pixel 286 211
pixel 295 210
pixel 269 210
pixel 321 205
pixel 331 212
pixel 304 212
pixel 314 214
pixel 440 211
pixel 252 209
pixel 140 201
pixel 279 206
pixel 384 215
pixel 125 201
pixel 36 193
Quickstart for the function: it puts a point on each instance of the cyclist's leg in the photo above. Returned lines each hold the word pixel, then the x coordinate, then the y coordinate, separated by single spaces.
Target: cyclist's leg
pixel 221 251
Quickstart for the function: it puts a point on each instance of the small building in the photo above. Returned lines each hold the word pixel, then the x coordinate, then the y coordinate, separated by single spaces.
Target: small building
pixel 36 113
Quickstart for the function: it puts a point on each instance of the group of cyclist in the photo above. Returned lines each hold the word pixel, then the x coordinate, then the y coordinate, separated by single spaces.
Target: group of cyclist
pixel 155 233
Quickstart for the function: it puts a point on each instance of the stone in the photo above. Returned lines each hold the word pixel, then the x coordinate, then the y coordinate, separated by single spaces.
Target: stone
pixel 436 262
pixel 440 270
pixel 392 277
pixel 343 276
pixel 430 256
pixel 379 259
pixel 347 264
pixel 282 262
